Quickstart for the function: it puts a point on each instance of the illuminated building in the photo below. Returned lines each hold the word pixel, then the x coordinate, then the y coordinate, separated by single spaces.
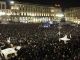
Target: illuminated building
pixel 21 12
pixel 2 5
pixel 73 14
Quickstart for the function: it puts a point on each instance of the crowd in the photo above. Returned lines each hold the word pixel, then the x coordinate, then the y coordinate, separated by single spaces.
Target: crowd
pixel 42 43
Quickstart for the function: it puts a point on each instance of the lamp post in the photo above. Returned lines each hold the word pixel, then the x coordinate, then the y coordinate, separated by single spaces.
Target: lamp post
pixel 11 5
pixel 59 16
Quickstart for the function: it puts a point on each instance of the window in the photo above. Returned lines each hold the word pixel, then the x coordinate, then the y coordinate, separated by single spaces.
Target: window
pixel 0 5
pixel 3 6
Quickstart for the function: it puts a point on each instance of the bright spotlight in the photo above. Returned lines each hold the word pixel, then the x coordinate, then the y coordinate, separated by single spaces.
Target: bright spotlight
pixel 2 13
pixel 60 15
pixel 8 14
pixel 11 2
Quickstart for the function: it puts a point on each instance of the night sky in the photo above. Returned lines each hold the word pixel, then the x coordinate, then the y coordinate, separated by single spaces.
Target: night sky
pixel 63 3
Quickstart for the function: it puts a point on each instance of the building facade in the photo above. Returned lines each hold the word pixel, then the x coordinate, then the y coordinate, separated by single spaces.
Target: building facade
pixel 20 12
pixel 2 8
pixel 73 14
pixel 2 5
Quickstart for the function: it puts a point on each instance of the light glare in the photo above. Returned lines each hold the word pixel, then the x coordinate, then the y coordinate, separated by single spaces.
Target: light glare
pixel 59 15
pixel 11 2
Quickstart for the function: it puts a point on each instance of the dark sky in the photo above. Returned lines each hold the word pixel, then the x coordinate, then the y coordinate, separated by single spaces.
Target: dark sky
pixel 63 3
